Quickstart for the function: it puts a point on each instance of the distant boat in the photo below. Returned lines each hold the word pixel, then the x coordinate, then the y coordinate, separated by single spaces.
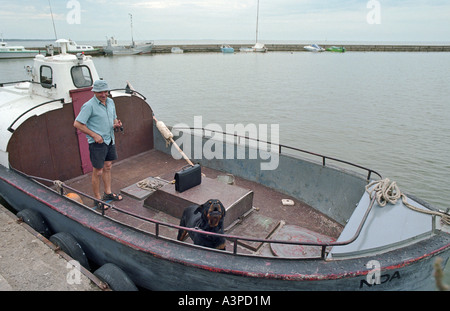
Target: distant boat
pixel 113 48
pixel 176 50
pixel 16 51
pixel 258 47
pixel 245 49
pixel 338 49
pixel 73 47
pixel 314 48
pixel 225 48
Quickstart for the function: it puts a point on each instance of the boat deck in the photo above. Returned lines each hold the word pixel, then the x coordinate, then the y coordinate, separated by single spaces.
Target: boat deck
pixel 266 216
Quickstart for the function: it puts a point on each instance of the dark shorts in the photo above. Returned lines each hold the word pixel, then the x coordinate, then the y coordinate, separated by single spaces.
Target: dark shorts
pixel 99 153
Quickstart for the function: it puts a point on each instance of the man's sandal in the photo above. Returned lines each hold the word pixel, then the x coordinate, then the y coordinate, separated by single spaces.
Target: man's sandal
pixel 100 205
pixel 112 196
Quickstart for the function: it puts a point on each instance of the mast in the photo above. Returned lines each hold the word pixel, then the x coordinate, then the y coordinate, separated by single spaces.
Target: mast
pixel 131 22
pixel 51 12
pixel 257 18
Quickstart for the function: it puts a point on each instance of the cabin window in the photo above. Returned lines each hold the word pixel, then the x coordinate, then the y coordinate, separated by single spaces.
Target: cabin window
pixel 81 76
pixel 46 76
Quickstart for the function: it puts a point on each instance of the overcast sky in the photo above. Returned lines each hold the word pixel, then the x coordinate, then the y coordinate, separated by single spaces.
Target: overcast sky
pixel 297 20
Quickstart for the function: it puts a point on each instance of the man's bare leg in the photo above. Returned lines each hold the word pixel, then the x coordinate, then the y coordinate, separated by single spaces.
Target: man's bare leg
pixel 106 176
pixel 96 173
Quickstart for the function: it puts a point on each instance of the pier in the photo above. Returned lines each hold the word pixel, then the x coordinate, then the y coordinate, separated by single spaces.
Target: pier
pixel 299 48
pixel 211 48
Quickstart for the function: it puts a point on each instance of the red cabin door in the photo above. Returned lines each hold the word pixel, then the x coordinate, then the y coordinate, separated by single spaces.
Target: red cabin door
pixel 79 97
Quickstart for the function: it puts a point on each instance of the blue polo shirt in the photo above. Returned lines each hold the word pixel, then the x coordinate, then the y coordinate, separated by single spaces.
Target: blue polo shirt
pixel 99 119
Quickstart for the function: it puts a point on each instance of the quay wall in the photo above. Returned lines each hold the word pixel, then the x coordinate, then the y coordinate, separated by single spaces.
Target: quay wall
pixel 299 48
pixel 205 48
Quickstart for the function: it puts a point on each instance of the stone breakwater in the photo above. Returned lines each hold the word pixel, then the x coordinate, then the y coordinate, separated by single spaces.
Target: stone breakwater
pixel 209 48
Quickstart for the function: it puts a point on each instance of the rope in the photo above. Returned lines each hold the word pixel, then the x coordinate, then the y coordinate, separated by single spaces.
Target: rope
pixel 386 191
pixel 148 184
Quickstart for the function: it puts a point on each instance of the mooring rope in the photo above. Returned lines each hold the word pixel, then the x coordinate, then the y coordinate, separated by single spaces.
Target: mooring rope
pixel 386 191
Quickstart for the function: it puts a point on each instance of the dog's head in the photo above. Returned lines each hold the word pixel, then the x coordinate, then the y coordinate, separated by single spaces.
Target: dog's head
pixel 212 211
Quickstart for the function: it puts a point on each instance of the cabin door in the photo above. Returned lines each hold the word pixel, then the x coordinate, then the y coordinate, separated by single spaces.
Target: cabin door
pixel 79 97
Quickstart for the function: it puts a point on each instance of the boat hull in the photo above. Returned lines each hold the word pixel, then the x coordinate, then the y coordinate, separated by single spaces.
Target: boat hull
pixel 128 50
pixel 157 263
pixel 26 54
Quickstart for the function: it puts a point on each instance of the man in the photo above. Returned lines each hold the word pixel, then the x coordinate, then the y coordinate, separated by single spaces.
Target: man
pixel 98 120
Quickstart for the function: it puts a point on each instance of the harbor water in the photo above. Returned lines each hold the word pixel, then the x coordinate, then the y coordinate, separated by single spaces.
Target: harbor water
pixel 386 111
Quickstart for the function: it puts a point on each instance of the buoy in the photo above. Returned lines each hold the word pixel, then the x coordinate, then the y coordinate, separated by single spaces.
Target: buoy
pixel 75 197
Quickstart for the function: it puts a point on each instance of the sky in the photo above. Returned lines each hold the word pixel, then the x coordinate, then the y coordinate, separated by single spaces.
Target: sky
pixel 279 20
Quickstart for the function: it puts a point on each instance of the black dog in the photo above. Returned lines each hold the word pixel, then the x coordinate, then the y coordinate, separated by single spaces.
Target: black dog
pixel 207 217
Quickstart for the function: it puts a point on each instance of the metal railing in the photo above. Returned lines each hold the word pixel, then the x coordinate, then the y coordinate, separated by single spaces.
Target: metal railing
pixel 281 146
pixel 233 238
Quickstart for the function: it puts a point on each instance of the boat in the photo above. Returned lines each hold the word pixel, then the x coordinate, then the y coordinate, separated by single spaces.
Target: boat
pixel 295 220
pixel 258 47
pixel 114 48
pixel 314 48
pixel 176 50
pixel 246 49
pixel 15 51
pixel 75 48
pixel 225 48
pixel 338 49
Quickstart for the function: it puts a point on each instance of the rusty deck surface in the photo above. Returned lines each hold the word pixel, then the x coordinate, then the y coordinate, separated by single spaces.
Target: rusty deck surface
pixel 265 218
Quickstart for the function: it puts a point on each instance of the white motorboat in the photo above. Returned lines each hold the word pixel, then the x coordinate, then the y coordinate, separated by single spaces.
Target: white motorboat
pixel 314 48
pixel 16 51
pixel 73 47
pixel 176 50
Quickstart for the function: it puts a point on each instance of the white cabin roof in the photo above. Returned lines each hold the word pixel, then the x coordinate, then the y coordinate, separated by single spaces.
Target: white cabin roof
pixel 52 78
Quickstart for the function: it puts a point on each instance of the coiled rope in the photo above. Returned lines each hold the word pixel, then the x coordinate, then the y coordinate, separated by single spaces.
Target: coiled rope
pixel 386 191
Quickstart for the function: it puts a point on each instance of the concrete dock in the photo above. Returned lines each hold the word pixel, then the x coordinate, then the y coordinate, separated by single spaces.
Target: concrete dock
pixel 210 48
pixel 29 262
pixel 300 48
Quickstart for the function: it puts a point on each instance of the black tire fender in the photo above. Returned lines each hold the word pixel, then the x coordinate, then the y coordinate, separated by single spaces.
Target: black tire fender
pixel 35 221
pixel 68 244
pixel 115 277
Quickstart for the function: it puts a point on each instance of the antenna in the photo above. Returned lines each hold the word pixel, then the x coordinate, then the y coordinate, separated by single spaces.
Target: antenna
pixel 131 21
pixel 54 28
pixel 257 18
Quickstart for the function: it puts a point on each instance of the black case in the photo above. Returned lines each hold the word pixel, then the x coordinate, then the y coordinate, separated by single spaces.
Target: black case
pixel 188 177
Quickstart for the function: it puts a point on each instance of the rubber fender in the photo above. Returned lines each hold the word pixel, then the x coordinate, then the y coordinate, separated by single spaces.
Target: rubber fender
pixel 69 245
pixel 35 221
pixel 115 277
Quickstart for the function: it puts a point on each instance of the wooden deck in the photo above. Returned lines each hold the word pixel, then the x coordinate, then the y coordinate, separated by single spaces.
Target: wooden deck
pixel 265 216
